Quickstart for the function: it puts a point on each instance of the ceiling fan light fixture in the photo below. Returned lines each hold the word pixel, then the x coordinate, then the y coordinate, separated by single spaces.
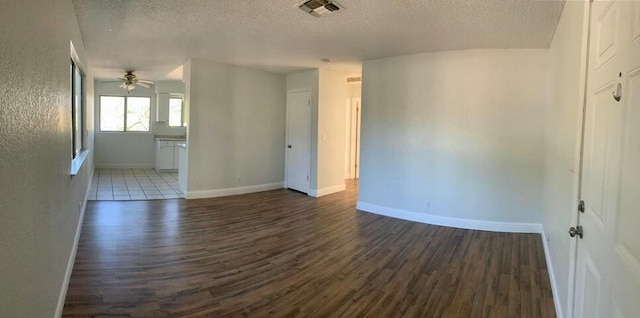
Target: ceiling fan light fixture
pixel 129 81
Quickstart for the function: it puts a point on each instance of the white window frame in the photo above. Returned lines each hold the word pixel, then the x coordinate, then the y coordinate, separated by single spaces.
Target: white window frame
pixel 78 156
pixel 77 110
pixel 126 103
pixel 181 98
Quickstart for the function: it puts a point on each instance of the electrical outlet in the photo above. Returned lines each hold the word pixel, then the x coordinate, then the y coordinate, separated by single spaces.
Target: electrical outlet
pixel 237 179
pixel 427 205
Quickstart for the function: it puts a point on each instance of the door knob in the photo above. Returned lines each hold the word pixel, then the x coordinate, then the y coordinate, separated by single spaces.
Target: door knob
pixel 617 95
pixel 573 231
pixel 289 146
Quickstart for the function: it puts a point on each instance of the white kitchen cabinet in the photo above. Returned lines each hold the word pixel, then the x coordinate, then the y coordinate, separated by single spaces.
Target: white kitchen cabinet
pixel 181 147
pixel 167 155
pixel 176 156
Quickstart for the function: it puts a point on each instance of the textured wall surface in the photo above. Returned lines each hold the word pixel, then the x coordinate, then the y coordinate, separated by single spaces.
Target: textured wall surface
pixel 39 201
pixel 463 129
pixel 276 35
pixel 236 126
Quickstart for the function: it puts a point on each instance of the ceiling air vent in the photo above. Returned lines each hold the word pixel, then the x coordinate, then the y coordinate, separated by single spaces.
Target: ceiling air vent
pixel 319 8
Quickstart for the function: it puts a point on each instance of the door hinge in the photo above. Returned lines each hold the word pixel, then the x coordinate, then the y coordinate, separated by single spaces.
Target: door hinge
pixel 573 231
pixel 307 178
pixel 309 102
pixel 581 206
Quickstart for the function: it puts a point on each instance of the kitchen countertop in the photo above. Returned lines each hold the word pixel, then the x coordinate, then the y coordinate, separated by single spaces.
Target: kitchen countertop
pixel 170 137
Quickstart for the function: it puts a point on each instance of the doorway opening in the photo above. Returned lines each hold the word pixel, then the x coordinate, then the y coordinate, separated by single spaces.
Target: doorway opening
pixel 353 126
pixel 298 156
pixel 134 184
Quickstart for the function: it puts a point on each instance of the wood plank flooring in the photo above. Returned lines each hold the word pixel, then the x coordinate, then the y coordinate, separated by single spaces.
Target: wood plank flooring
pixel 283 254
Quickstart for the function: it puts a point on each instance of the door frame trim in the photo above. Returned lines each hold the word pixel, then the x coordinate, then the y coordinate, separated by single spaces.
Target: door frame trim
pixel 578 155
pixel 286 138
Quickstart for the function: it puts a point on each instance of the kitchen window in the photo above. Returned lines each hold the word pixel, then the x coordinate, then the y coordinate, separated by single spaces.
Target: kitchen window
pixel 125 114
pixel 175 112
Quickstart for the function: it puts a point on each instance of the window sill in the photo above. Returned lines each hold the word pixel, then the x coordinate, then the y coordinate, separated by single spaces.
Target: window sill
pixel 76 163
pixel 125 132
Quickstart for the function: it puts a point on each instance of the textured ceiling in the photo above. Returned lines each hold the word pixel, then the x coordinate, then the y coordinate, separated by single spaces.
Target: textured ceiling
pixel 157 36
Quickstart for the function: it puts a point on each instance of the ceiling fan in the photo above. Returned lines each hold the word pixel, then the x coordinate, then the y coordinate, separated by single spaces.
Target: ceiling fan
pixel 130 80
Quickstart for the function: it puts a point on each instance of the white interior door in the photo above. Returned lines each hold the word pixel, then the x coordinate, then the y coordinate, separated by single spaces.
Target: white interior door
pixel 298 140
pixel 607 282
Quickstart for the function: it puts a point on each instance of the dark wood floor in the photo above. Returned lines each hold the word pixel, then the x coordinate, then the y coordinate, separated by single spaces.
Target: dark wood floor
pixel 283 254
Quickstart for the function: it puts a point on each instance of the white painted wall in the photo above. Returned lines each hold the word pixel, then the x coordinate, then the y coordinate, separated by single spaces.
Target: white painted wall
pixel 562 138
pixel 173 87
pixel 462 129
pixel 332 95
pixel 328 116
pixel 236 127
pixel 169 86
pixel 40 203
pixel 354 89
pixel 309 80
pixel 129 149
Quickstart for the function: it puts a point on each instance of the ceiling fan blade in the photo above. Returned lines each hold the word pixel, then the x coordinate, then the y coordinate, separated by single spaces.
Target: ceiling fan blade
pixel 111 82
pixel 146 81
pixel 143 85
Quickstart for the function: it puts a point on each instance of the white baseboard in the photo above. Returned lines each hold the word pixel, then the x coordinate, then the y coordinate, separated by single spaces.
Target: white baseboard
pixel 326 191
pixel 509 227
pixel 74 250
pixel 126 166
pixel 552 276
pixel 233 191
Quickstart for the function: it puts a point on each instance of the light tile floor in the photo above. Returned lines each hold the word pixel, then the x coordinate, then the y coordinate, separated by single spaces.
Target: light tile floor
pixel 133 184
